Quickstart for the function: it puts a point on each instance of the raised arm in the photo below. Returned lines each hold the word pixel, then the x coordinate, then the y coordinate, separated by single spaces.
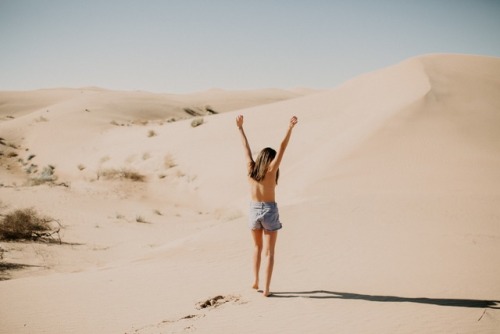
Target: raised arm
pixel 275 164
pixel 244 140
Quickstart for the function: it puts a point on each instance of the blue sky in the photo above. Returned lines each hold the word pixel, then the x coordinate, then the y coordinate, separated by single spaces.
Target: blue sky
pixel 180 46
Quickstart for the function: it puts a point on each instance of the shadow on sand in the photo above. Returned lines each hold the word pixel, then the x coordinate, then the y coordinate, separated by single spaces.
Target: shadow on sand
pixel 323 294
pixel 5 267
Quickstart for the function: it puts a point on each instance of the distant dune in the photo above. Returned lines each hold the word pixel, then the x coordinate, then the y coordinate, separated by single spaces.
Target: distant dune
pixel 137 105
pixel 389 195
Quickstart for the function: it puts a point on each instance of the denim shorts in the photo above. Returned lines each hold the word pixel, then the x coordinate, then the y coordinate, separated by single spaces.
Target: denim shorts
pixel 264 215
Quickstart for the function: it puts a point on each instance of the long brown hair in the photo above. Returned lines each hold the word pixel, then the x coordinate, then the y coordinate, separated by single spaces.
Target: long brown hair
pixel 259 168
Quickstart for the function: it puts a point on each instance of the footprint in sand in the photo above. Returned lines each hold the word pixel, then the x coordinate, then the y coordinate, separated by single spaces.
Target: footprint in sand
pixel 218 301
pixel 186 323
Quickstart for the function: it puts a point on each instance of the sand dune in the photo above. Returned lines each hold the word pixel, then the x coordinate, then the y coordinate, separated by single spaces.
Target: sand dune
pixel 388 194
pixel 137 105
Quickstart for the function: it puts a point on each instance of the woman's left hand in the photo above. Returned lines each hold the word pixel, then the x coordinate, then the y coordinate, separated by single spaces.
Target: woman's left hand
pixel 239 121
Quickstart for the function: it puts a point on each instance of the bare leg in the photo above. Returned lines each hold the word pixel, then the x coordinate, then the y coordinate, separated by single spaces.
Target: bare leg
pixel 257 239
pixel 270 243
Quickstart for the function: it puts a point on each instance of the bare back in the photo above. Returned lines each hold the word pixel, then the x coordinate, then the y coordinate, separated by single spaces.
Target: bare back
pixel 263 191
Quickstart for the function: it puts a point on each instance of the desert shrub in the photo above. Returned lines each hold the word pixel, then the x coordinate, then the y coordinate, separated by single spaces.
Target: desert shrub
pixel 121 174
pixel 32 168
pixel 22 224
pixel 151 133
pixel 46 175
pixel 168 161
pixel 41 119
pixel 133 175
pixel 141 219
pixel 104 159
pixel 197 122
pixel 192 112
pixel 210 110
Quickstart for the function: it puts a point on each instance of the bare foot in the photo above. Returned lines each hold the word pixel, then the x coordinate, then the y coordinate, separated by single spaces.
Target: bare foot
pixel 266 293
pixel 255 286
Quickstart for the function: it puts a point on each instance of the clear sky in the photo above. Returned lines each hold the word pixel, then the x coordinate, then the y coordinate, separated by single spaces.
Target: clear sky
pixel 179 46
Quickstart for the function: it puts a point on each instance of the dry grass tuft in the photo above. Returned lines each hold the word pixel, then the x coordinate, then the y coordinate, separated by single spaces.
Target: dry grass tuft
pixel 152 133
pixel 119 174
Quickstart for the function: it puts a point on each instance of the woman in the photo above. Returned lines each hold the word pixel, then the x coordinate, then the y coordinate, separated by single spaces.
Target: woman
pixel 264 216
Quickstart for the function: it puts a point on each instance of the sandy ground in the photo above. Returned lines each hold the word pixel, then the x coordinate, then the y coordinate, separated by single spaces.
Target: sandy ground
pixel 389 195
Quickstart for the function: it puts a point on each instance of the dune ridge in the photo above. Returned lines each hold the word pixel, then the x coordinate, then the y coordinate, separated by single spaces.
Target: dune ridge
pixel 388 193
